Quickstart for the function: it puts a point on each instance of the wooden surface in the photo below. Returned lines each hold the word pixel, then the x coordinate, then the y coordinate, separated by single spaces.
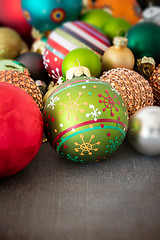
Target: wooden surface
pixel 117 199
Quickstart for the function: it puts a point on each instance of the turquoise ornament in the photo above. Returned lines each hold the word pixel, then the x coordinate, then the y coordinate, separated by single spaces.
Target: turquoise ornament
pixel 46 15
pixel 144 40
pixel 85 119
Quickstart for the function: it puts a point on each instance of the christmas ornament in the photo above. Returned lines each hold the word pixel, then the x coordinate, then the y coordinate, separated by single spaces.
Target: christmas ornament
pixel 82 57
pixel 85 119
pixel 143 40
pixel 21 127
pixel 129 10
pixel 10 43
pixel 24 82
pixel 38 45
pixel 42 86
pixel 134 89
pixel 155 84
pixel 34 62
pixel 152 14
pixel 96 17
pixel 144 131
pixel 118 55
pixel 146 65
pixel 46 15
pixel 115 27
pixel 11 16
pixel 9 64
pixel 69 36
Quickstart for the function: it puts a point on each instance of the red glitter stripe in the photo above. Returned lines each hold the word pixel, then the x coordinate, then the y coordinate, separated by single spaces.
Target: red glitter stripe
pixel 86 123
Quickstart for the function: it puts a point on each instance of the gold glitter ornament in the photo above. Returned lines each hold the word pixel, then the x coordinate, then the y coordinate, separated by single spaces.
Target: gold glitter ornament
pixel 146 65
pixel 133 88
pixel 155 84
pixel 24 82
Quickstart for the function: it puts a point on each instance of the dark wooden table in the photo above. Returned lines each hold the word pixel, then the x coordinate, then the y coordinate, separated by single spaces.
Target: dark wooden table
pixel 52 198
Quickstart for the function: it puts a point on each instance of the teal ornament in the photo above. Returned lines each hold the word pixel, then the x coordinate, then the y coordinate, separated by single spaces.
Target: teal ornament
pixel 8 64
pixel 46 15
pixel 85 119
pixel 143 40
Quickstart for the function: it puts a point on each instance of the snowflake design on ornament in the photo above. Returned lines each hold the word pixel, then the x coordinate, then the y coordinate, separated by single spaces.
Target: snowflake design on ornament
pixel 109 102
pixel 113 145
pixel 46 60
pixel 52 102
pixel 55 74
pixel 72 106
pixel 95 113
pixel 86 146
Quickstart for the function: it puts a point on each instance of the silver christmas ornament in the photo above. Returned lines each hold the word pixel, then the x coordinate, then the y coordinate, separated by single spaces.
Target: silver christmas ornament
pixel 144 131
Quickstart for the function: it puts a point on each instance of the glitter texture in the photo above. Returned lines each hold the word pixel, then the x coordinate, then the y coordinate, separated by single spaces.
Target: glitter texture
pixel 155 84
pixel 24 82
pixel 134 89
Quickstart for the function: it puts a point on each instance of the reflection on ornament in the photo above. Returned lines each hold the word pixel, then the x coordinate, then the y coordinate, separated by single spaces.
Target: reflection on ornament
pixel 134 89
pixel 144 131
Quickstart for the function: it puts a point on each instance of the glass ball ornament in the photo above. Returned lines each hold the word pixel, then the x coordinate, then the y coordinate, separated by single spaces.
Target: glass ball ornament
pixel 85 119
pixel 144 131
pixel 21 125
pixel 82 57
pixel 96 17
pixel 154 81
pixel 118 55
pixel 47 15
pixel 24 82
pixel 115 27
pixel 134 89
pixel 143 40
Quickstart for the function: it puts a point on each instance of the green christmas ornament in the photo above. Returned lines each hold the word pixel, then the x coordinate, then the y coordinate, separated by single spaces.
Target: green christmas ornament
pixel 82 57
pixel 9 64
pixel 115 27
pixel 144 40
pixel 85 119
pixel 96 17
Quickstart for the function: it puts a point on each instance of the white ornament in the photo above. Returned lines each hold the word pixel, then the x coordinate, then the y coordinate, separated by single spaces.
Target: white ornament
pixel 95 112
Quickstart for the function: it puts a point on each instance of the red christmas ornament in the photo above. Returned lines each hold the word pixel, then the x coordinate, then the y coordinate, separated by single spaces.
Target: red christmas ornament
pixel 21 127
pixel 11 15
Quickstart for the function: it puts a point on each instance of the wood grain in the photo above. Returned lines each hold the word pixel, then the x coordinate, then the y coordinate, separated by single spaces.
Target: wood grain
pixel 52 198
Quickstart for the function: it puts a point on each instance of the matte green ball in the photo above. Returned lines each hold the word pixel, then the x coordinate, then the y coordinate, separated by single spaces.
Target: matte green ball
pixel 96 17
pixel 144 40
pixel 82 57
pixel 85 119
pixel 115 27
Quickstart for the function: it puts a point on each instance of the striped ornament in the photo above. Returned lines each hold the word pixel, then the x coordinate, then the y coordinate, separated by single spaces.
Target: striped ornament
pixel 69 36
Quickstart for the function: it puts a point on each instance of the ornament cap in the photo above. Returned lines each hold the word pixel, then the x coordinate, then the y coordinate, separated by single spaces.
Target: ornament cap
pixel 77 71
pixel 120 41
